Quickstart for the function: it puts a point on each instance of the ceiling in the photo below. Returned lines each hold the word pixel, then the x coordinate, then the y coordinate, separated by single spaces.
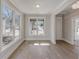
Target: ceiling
pixel 29 6
pixel 67 10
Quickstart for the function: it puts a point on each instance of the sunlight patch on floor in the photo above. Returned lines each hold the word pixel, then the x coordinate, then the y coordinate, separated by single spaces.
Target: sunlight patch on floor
pixel 36 44
pixel 41 44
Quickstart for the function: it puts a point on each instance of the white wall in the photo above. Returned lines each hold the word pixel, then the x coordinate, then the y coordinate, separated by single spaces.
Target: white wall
pixel 60 8
pixel 47 28
pixel 0 25
pixel 58 27
pixel 68 26
pixel 53 28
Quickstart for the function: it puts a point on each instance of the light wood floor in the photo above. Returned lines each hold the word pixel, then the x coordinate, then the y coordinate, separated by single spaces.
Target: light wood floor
pixel 62 50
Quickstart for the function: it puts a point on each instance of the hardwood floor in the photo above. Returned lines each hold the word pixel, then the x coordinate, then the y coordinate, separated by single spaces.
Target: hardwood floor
pixel 76 43
pixel 45 50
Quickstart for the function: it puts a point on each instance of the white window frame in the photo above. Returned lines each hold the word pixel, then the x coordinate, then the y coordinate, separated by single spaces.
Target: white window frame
pixel 36 20
pixel 14 12
pixel 14 16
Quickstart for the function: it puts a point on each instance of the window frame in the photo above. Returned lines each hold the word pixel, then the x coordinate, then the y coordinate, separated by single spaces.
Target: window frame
pixel 18 15
pixel 37 26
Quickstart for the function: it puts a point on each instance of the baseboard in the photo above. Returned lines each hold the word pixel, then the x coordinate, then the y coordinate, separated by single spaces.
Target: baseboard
pixel 68 41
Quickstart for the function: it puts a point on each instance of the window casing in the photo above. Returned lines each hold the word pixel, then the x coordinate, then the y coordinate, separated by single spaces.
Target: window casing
pixel 37 26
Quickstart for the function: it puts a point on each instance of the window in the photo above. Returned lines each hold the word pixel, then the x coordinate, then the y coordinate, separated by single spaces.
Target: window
pixel 17 26
pixel 7 25
pixel 10 25
pixel 33 25
pixel 37 26
pixel 40 26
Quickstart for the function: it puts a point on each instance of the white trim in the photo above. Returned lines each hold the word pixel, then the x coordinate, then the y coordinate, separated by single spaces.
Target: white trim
pixel 68 41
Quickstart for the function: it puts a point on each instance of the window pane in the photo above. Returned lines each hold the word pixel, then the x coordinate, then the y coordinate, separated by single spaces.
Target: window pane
pixel 40 26
pixel 7 25
pixel 17 26
pixel 33 26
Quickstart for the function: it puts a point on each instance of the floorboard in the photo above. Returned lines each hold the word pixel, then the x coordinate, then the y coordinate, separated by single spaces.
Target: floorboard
pixel 45 50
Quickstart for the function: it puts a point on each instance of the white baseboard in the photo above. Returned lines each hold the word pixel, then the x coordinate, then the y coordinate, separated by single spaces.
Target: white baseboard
pixel 70 42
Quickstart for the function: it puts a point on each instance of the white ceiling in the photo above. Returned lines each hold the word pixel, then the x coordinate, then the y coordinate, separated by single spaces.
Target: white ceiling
pixel 67 10
pixel 29 6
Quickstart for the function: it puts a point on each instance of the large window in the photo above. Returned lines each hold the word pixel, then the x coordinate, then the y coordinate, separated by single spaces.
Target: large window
pixel 37 26
pixel 7 25
pixel 10 25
